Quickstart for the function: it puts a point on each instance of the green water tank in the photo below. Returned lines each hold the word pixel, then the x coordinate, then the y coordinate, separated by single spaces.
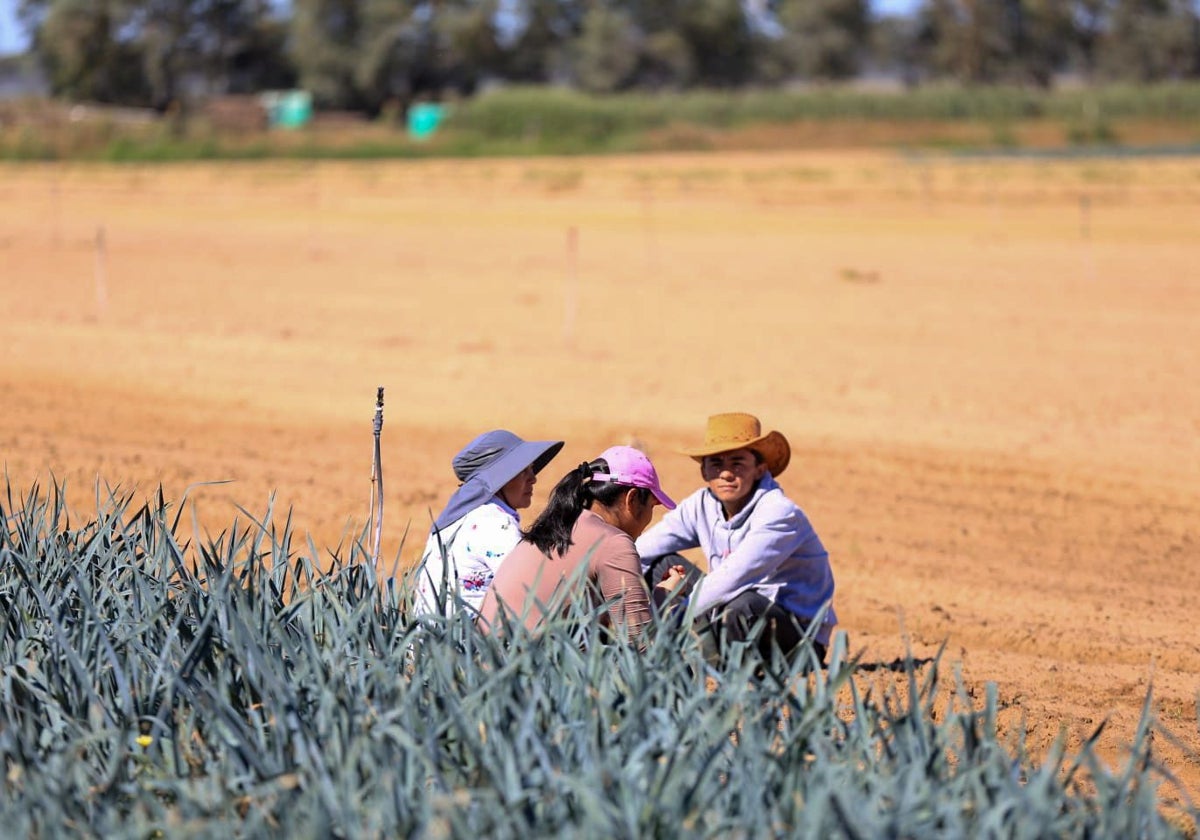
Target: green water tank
pixel 424 119
pixel 288 108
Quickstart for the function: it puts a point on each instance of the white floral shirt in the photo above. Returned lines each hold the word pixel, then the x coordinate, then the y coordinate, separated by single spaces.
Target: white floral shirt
pixel 472 549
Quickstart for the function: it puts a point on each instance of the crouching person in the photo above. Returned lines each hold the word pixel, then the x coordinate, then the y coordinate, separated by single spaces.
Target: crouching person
pixel 586 532
pixel 480 523
pixel 767 568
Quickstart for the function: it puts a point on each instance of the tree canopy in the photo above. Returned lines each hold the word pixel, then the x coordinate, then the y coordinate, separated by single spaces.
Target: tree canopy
pixel 369 54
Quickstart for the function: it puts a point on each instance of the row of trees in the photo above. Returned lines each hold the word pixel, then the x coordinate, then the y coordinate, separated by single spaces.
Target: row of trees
pixel 1030 41
pixel 363 54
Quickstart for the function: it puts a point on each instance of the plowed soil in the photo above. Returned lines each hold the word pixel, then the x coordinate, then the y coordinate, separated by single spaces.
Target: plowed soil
pixel 989 371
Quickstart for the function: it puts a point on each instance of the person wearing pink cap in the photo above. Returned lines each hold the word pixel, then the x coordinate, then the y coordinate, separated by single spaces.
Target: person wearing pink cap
pixel 591 520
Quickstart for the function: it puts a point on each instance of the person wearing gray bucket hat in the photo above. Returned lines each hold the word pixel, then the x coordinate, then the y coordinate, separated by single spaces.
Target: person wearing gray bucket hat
pixel 480 523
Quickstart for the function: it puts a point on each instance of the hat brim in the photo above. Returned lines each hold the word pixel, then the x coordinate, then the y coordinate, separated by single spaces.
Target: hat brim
pixel 487 481
pixel 530 453
pixel 776 452
pixel 663 499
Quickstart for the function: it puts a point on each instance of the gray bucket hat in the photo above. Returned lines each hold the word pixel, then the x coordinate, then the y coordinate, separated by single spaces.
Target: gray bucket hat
pixel 486 464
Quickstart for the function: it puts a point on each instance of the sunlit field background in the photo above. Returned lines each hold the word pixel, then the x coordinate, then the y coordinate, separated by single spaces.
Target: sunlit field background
pixel 986 366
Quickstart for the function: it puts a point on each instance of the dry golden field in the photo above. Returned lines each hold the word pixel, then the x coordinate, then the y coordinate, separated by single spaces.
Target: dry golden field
pixel 989 370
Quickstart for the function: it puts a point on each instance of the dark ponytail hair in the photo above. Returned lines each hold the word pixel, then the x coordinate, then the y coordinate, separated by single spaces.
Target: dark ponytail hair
pixel 574 493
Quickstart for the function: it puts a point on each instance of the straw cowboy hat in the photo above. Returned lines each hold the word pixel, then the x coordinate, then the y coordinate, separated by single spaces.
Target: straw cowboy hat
pixel 727 432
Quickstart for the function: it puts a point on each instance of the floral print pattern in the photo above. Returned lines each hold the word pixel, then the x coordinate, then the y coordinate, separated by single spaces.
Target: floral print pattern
pixel 473 547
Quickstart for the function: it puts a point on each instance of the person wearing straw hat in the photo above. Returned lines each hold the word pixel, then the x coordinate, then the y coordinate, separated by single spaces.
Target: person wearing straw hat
pixel 764 558
pixel 585 534
pixel 480 523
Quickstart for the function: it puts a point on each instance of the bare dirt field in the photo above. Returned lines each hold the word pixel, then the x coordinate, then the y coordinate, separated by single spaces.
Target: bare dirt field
pixel 989 370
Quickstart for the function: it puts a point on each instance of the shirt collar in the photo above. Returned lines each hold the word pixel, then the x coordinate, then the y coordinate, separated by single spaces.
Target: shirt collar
pixel 503 505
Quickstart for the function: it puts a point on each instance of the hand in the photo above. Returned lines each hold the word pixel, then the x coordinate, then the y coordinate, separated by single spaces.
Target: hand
pixel 673 578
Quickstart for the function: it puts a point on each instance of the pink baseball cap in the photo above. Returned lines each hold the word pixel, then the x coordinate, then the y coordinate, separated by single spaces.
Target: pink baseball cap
pixel 631 467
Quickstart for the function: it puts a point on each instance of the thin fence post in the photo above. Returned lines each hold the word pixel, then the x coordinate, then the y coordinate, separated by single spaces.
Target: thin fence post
pixel 314 218
pixel 571 286
pixel 1085 233
pixel 648 227
pixel 55 209
pixel 101 272
pixel 377 482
